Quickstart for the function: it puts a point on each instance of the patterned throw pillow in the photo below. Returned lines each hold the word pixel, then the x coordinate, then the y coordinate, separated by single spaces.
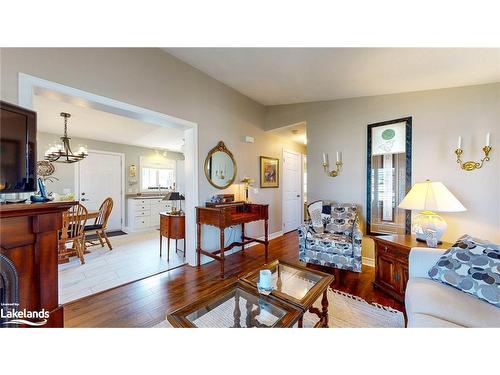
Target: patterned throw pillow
pixel 473 266
pixel 343 219
pixel 314 210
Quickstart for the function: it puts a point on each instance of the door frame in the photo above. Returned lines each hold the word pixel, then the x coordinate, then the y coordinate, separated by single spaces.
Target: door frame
pixel 283 169
pixel 28 85
pixel 122 177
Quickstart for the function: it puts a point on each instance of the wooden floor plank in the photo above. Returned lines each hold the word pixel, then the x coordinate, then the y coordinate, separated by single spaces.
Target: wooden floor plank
pixel 146 302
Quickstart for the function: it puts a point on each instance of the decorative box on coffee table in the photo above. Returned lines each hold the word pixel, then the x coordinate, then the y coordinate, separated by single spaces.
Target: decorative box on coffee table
pixel 391 262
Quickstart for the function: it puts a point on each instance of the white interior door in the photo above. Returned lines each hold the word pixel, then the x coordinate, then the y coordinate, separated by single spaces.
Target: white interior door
pixel 292 190
pixel 100 177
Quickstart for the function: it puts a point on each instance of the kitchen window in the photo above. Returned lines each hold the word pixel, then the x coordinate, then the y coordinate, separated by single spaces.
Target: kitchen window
pixel 157 174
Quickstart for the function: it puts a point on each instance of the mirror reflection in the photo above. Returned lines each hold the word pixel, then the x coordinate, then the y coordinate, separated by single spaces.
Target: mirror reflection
pixel 220 167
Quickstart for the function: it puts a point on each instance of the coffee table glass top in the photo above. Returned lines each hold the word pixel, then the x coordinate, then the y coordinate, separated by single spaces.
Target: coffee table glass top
pixel 237 308
pixel 236 305
pixel 293 282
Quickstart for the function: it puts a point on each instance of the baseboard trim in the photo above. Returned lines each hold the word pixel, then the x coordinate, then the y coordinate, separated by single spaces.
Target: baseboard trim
pixel 272 236
pixel 370 262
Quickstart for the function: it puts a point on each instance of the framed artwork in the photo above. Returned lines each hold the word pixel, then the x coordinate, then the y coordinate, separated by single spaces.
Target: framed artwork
pixel 269 172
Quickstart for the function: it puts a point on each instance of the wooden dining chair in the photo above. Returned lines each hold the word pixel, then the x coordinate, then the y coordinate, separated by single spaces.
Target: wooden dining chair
pixel 100 223
pixel 77 218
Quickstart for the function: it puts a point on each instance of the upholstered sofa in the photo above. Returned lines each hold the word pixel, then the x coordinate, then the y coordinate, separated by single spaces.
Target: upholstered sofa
pixel 332 236
pixel 430 303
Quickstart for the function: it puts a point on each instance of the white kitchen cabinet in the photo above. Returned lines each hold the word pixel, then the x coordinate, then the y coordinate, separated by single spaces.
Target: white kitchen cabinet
pixel 144 213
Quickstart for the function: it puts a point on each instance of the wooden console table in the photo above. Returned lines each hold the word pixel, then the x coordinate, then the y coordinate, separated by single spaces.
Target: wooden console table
pixel 226 215
pixel 391 262
pixel 172 227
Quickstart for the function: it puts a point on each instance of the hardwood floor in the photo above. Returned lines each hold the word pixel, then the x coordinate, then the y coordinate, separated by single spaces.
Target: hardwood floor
pixel 146 302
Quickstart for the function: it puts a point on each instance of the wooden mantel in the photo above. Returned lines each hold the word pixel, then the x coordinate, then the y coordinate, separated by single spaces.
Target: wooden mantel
pixel 28 237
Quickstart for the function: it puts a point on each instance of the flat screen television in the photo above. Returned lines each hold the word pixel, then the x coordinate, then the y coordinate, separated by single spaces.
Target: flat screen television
pixel 17 149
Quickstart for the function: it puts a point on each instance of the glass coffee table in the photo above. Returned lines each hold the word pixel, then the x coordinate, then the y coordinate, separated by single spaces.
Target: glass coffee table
pixel 298 285
pixel 237 305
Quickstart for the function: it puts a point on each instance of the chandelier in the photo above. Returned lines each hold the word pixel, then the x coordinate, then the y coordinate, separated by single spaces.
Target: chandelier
pixel 61 152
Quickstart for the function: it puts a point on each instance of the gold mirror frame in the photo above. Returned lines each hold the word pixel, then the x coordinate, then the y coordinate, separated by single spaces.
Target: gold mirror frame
pixel 221 147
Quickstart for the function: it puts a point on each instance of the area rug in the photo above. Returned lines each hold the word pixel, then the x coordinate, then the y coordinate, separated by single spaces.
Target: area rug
pixel 113 233
pixel 348 311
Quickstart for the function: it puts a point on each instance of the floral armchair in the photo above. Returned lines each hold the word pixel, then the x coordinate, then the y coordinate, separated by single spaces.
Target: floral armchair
pixel 332 236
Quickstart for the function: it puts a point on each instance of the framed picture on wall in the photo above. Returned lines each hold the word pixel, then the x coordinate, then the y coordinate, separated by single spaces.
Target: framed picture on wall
pixel 269 172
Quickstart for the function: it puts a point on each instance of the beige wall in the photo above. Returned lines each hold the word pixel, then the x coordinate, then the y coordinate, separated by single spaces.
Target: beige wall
pixel 156 80
pixel 439 117
pixel 153 79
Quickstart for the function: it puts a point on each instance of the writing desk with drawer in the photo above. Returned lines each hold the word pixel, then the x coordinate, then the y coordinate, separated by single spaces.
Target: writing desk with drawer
pixel 226 215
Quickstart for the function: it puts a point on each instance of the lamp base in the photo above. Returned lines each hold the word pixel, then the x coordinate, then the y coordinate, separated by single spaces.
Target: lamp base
pixel 428 220
pixel 425 241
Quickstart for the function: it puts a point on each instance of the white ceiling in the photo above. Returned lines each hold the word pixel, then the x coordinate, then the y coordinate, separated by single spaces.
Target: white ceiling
pixel 93 124
pixel 296 132
pixel 293 75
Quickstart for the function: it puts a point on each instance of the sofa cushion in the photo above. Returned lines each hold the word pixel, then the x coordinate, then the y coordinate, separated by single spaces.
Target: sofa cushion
pixel 473 266
pixel 428 297
pixel 330 243
pixel 341 261
pixel 428 321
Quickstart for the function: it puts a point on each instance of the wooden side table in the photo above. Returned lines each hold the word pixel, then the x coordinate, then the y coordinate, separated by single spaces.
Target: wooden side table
pixel 172 227
pixel 391 262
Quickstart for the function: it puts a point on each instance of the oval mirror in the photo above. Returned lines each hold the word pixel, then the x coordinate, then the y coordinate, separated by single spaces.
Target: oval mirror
pixel 220 167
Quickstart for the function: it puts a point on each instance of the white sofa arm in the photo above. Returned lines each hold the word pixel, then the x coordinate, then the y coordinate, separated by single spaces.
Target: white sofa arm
pixel 422 259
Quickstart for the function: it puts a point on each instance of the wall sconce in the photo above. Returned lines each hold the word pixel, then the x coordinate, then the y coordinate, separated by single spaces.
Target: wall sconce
pixel 471 165
pixel 338 165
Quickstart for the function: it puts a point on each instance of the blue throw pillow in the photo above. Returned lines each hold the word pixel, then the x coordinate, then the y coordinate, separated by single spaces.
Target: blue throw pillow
pixel 473 266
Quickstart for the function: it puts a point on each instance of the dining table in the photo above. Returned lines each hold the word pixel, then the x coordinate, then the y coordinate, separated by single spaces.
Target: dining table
pixel 64 253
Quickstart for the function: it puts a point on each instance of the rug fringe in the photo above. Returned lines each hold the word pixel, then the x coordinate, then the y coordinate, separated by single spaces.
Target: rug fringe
pixel 359 299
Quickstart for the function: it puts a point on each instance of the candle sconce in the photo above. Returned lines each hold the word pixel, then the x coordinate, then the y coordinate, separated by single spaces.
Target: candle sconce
pixel 338 165
pixel 472 165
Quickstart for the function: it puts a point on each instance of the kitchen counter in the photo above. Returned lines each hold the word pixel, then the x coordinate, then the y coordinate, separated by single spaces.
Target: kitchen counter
pixel 146 197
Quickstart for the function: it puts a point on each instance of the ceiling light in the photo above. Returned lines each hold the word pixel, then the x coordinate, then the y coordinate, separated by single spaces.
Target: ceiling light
pixel 61 152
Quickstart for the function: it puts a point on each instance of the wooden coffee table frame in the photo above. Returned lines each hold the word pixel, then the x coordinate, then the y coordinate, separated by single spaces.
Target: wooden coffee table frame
pixel 306 303
pixel 178 317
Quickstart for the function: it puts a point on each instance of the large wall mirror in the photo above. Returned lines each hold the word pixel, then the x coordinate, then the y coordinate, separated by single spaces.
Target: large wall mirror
pixel 388 176
pixel 220 166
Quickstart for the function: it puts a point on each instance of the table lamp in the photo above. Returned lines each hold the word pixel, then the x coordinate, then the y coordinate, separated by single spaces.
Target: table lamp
pixel 247 181
pixel 430 197
pixel 175 196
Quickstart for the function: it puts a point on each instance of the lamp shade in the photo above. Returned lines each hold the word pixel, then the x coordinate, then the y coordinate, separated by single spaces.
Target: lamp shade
pixel 247 180
pixel 431 196
pixel 173 196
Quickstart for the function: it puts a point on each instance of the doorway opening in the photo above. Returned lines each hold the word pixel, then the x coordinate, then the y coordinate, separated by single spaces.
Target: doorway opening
pixel 116 134
pixel 294 175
